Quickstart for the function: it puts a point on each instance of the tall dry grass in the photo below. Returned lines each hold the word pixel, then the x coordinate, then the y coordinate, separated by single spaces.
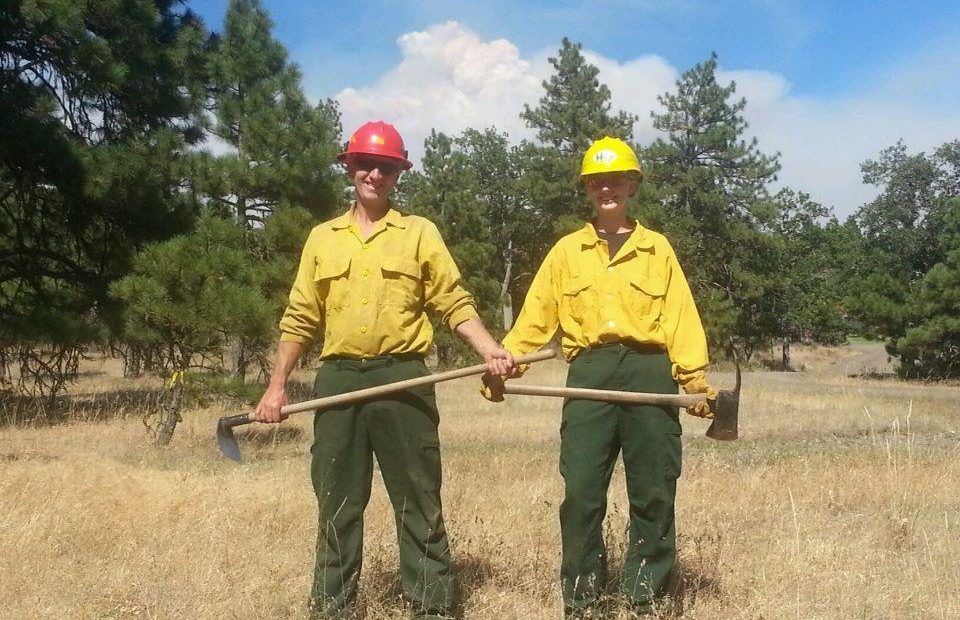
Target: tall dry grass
pixel 841 500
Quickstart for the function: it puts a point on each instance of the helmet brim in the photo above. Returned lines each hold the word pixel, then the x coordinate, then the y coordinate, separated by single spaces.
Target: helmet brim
pixel 406 164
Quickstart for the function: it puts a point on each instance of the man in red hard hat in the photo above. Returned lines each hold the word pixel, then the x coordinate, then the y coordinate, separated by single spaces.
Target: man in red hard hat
pixel 366 283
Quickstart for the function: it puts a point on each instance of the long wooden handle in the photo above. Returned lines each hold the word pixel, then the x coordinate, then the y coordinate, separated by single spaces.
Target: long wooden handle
pixel 399 386
pixel 380 390
pixel 640 398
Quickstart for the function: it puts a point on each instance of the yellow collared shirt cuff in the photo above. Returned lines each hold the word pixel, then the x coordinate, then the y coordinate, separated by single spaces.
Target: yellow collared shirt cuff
pixel 290 337
pixel 462 315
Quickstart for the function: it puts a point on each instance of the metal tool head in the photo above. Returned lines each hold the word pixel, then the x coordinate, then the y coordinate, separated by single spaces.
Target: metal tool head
pixel 225 438
pixel 726 410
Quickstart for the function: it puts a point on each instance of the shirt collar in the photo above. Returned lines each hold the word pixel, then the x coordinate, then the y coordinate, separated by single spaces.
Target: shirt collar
pixel 392 218
pixel 640 239
pixel 343 220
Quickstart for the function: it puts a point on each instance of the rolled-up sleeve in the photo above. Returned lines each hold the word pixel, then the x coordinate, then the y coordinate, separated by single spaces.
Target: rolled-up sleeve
pixel 444 295
pixel 303 318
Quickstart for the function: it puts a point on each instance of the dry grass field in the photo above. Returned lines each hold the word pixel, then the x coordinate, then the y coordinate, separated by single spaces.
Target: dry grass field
pixel 841 500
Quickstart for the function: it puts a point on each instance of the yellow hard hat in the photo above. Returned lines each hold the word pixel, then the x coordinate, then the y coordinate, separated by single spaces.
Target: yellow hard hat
pixel 609 155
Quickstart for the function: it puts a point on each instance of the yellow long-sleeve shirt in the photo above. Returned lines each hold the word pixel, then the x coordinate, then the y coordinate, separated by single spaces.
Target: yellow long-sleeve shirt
pixel 641 295
pixel 371 297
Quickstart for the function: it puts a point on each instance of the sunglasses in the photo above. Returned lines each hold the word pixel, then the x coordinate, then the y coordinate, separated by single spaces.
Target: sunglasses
pixel 367 164
pixel 610 179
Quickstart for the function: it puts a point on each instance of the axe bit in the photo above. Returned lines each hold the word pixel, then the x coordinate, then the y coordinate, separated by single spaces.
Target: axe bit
pixel 726 413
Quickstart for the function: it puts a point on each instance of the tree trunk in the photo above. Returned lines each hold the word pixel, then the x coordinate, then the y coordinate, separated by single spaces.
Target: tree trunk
pixel 240 370
pixel 171 414
pixel 785 348
pixel 505 299
pixel 132 363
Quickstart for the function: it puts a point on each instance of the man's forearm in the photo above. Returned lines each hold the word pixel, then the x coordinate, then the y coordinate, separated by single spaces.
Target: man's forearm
pixel 288 353
pixel 476 335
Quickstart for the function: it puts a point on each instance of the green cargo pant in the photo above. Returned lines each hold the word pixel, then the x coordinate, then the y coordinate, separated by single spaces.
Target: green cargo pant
pixel 401 430
pixel 592 434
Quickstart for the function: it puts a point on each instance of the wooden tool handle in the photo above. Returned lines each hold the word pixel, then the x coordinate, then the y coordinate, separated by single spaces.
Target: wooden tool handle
pixel 640 398
pixel 399 386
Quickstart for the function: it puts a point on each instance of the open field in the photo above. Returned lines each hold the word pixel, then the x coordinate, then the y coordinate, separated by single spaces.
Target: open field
pixel 841 500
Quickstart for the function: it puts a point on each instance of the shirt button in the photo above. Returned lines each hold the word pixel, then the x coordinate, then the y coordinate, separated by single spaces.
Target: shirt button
pixel 364 246
pixel 609 268
pixel 364 301
pixel 609 295
pixel 365 273
pixel 611 324
pixel 363 329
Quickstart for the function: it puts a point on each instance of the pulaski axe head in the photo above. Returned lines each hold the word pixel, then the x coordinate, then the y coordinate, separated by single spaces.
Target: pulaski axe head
pixel 726 411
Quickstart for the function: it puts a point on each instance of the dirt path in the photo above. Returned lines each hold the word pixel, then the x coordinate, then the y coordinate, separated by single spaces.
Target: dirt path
pixel 860 369
pixel 864 359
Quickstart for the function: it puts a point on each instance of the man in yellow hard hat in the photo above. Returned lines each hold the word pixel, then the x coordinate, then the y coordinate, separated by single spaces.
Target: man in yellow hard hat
pixel 627 321
pixel 367 282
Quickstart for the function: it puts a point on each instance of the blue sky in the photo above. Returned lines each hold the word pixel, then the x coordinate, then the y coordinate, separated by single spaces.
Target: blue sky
pixel 828 83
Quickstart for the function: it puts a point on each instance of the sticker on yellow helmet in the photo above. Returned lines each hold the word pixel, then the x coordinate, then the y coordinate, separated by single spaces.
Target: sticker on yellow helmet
pixel 606 156
pixel 609 155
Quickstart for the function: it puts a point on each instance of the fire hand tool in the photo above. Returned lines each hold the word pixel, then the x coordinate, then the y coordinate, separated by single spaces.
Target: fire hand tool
pixel 228 442
pixel 725 408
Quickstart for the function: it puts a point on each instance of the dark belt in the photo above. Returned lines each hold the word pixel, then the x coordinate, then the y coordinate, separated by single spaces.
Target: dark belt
pixel 623 346
pixel 376 361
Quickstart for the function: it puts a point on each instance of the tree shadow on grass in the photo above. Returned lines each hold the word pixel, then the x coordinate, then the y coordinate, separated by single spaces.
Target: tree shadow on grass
pixel 472 573
pixel 264 435
pixel 20 410
pixel 688 583
pixel 382 590
pixel 25 410
pixel 875 375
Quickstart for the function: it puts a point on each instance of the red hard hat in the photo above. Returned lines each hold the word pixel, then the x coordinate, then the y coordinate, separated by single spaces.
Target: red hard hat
pixel 377 138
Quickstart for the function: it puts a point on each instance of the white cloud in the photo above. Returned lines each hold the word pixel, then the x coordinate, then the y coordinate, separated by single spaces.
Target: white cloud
pixel 822 142
pixel 450 79
pixel 634 87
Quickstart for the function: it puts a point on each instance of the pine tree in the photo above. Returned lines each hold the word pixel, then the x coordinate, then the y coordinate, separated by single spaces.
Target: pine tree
pixel 98 102
pixel 807 297
pixel 716 208
pixel 574 111
pixel 575 108
pixel 930 347
pixel 281 149
pixel 187 298
pixel 901 290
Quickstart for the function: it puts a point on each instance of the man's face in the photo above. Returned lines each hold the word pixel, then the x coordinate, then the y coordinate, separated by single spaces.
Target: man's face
pixel 373 177
pixel 609 191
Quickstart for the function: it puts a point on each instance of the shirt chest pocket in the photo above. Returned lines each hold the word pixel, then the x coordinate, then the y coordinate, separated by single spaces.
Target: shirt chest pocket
pixel 330 279
pixel 644 295
pixel 402 282
pixel 579 299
